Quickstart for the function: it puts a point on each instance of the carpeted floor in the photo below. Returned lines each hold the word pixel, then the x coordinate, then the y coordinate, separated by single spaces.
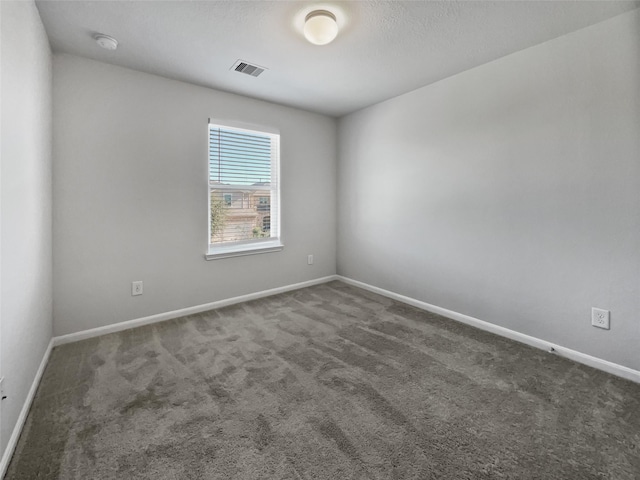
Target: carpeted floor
pixel 328 382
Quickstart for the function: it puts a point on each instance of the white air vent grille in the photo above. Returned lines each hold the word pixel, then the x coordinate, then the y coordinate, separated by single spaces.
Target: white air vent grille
pixel 245 67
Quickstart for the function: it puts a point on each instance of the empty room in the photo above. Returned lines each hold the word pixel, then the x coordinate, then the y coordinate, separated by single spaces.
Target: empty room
pixel 319 240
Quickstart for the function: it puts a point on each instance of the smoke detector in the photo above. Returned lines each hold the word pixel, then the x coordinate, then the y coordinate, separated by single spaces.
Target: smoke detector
pixel 106 42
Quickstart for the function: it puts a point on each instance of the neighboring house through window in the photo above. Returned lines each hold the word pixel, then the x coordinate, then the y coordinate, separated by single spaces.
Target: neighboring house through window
pixel 244 192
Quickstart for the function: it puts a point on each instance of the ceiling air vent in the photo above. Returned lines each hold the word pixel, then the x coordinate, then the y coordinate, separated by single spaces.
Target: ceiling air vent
pixel 245 67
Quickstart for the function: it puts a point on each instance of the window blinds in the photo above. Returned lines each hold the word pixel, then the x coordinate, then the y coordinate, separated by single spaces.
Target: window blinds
pixel 239 158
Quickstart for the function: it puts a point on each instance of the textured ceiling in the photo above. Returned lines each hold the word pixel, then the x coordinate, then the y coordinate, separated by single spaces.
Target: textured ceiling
pixel 384 49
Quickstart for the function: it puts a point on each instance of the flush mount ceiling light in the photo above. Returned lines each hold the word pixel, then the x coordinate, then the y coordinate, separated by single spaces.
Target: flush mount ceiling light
pixel 106 42
pixel 320 27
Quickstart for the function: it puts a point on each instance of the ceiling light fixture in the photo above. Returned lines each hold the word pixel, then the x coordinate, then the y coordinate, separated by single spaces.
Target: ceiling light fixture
pixel 106 42
pixel 320 27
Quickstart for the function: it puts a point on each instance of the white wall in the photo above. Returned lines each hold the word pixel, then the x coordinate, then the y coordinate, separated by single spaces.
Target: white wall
pixel 25 314
pixel 510 192
pixel 130 195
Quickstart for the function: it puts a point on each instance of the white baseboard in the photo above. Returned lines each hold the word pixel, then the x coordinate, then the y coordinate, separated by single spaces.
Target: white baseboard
pixel 17 429
pixel 598 363
pixel 161 317
pixel 94 332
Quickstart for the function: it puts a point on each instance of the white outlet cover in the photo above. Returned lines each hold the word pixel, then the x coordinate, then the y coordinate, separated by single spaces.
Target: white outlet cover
pixel 600 318
pixel 136 288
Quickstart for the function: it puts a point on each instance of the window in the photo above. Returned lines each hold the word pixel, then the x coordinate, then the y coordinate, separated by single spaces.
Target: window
pixel 263 204
pixel 244 193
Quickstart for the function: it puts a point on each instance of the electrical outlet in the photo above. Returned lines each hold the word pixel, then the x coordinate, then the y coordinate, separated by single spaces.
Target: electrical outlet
pixel 309 259
pixel 136 288
pixel 600 318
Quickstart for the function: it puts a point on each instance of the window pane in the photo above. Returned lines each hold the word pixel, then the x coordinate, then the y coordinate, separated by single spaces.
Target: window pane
pixel 240 215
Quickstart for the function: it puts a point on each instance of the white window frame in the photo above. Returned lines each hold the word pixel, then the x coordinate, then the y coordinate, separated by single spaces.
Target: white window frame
pixel 258 245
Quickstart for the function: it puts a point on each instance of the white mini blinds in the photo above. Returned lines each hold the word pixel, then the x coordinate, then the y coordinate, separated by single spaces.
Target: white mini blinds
pixel 244 192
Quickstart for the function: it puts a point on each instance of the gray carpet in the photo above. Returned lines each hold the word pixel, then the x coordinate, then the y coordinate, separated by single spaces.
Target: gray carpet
pixel 328 382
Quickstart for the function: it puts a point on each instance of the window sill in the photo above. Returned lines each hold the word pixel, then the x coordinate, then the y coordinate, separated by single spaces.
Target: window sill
pixel 242 250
